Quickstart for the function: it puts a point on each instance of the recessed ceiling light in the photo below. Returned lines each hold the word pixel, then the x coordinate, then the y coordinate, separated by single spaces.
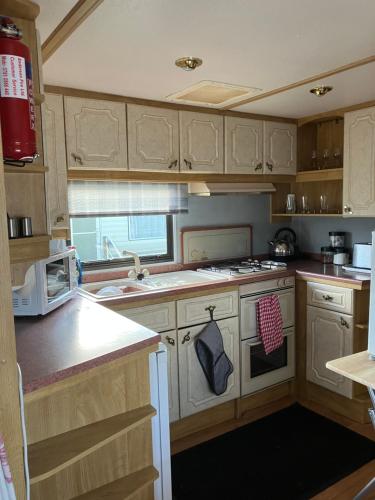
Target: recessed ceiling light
pixel 188 63
pixel 321 90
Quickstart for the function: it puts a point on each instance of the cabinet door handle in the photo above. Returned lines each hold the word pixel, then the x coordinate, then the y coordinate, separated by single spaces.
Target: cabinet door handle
pixel 77 158
pixel 344 322
pixel 259 166
pixel 186 338
pixel 328 298
pixel 170 340
pixel 173 164
pixel 347 209
pixel 188 164
pixel 60 218
pixel 269 165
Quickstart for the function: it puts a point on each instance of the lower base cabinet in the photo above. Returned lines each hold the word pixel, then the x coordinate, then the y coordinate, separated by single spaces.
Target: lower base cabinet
pixel 329 335
pixel 195 393
pixel 170 341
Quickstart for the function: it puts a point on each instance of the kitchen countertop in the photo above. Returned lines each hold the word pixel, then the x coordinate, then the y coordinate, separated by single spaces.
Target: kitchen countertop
pixel 358 367
pixel 305 268
pixel 75 337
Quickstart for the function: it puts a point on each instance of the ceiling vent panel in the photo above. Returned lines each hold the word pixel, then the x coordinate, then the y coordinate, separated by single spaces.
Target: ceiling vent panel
pixel 215 94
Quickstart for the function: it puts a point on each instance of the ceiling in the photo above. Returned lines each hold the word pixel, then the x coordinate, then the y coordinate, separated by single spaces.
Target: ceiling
pixel 128 47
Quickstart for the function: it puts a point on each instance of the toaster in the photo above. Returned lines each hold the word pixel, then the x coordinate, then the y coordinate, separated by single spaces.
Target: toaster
pixel 362 255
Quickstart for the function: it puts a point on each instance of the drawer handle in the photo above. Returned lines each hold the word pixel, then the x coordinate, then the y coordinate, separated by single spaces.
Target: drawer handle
pixel 170 340
pixel 186 338
pixel 344 322
pixel 328 297
pixel 269 166
pixel 259 166
pixel 211 310
pixel 60 218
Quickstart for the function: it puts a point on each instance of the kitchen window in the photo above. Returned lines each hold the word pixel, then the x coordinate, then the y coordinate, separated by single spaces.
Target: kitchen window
pixel 107 218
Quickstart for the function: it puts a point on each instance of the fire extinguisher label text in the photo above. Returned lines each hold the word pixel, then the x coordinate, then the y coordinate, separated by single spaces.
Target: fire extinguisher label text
pixel 13 81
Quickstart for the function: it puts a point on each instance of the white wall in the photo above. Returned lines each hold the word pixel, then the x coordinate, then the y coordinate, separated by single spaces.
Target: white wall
pixel 312 233
pixel 224 210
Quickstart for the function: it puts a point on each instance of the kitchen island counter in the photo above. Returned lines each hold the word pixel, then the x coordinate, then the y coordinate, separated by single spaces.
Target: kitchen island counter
pixel 78 336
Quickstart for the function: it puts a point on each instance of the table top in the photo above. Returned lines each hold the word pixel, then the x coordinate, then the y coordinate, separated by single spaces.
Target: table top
pixel 358 367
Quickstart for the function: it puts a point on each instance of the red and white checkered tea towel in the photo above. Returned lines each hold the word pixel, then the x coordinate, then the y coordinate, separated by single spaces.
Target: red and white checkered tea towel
pixel 270 322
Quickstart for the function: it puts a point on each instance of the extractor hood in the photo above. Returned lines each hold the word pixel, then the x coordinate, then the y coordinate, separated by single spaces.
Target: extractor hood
pixel 211 188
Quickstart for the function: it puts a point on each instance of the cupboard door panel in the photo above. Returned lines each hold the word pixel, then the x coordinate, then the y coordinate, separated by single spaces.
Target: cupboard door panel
pixel 329 335
pixel 243 146
pixel 55 159
pixel 170 340
pixel 153 138
pixel 95 134
pixel 359 163
pixel 156 317
pixel 280 148
pixel 195 393
pixel 201 142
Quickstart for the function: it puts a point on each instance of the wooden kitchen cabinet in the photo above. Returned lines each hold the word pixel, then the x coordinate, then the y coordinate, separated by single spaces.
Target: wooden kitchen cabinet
pixel 243 146
pixel 55 159
pixel 280 148
pixel 153 141
pixel 170 341
pixel 195 393
pixel 201 143
pixel 359 163
pixel 95 134
pixel 329 335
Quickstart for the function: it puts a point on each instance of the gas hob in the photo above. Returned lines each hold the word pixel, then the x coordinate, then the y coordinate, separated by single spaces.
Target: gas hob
pixel 242 267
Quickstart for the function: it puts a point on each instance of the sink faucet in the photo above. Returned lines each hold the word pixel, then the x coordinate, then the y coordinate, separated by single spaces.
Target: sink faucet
pixel 136 272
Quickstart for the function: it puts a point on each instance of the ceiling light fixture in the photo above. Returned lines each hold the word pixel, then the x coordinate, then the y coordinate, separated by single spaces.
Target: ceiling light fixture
pixel 188 63
pixel 321 90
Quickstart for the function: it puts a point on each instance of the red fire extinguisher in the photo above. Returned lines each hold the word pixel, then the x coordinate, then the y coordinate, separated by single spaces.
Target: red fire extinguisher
pixel 17 111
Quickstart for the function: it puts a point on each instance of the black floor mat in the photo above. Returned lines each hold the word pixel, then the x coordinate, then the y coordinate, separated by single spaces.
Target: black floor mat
pixel 291 454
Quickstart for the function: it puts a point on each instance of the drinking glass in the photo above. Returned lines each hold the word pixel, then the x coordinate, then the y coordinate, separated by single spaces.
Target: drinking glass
pixel 290 204
pixel 325 158
pixel 314 160
pixel 337 157
pixel 323 204
pixel 305 209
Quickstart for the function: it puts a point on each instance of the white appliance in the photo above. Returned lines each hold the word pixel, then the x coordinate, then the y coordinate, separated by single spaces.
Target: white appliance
pixel 160 423
pixel 259 370
pixel 371 327
pixel 361 258
pixel 49 283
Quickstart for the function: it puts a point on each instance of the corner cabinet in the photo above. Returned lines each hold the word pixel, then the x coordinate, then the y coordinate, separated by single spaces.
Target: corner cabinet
pixel 280 148
pixel 95 134
pixel 195 393
pixel 201 143
pixel 329 335
pixel 153 138
pixel 359 163
pixel 55 158
pixel 243 146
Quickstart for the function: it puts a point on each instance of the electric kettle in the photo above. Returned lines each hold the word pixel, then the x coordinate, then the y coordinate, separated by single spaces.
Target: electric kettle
pixel 283 246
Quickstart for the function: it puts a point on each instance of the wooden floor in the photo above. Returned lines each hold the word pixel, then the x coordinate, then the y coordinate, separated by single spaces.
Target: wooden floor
pixel 345 489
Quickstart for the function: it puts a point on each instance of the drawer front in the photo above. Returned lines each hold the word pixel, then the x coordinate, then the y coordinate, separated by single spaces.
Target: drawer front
pixel 157 317
pixel 193 311
pixel 330 297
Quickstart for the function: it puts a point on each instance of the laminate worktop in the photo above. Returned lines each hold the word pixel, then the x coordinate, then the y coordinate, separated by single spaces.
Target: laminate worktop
pixel 358 367
pixel 78 336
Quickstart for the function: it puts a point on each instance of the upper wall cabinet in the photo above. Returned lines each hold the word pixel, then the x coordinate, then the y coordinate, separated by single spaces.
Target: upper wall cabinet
pixel 95 134
pixel 359 163
pixel 280 148
pixel 55 159
pixel 243 146
pixel 201 143
pixel 153 138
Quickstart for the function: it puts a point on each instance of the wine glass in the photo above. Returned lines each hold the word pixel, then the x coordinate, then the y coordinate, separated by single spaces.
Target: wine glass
pixel 325 158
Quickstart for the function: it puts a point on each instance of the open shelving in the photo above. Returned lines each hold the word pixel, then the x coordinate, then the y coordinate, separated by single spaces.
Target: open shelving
pixel 28 249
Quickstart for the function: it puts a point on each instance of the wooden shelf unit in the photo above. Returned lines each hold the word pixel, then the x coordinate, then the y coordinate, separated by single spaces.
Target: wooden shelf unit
pixel 306 215
pixel 331 174
pixel 29 249
pixel 52 455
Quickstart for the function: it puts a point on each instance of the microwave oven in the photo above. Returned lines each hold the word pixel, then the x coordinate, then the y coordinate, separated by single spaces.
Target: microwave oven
pixel 49 283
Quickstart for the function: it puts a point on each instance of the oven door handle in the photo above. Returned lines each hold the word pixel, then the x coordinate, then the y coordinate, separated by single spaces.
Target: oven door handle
pixel 253 343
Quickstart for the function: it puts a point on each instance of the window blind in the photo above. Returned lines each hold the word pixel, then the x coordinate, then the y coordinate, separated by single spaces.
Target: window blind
pixel 105 198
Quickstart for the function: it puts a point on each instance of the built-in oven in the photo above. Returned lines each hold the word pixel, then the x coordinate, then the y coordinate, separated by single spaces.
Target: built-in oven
pixel 258 369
